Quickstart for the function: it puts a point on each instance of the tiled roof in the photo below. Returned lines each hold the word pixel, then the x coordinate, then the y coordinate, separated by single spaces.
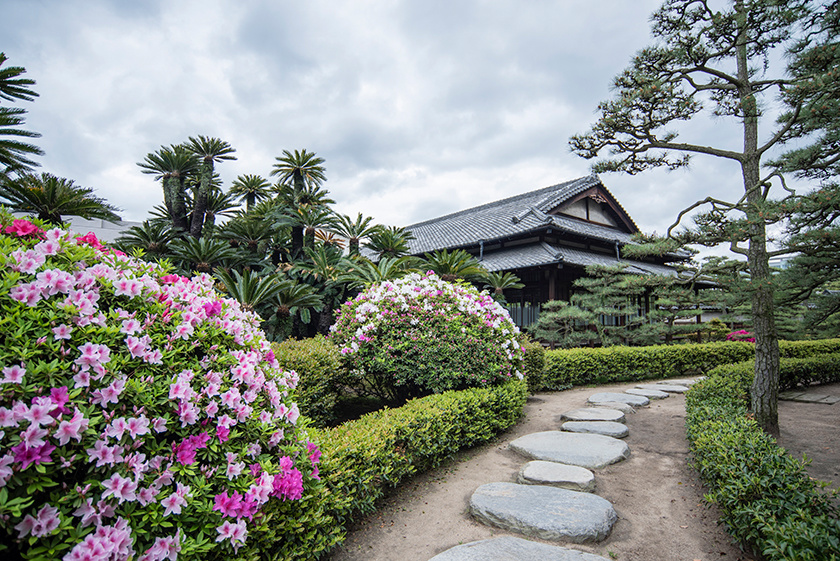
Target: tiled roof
pixel 546 254
pixel 510 217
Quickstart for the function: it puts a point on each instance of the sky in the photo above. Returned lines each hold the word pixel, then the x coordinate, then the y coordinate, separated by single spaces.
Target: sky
pixel 419 107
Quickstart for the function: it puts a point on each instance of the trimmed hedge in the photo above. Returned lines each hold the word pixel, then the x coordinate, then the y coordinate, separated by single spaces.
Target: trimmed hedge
pixel 534 365
pixel 766 498
pixel 793 372
pixel 624 364
pixel 321 373
pixel 363 458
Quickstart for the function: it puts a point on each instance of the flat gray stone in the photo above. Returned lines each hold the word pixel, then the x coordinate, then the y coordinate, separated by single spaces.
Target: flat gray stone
pixel 615 406
pixel 650 394
pixel 543 512
pixel 607 428
pixel 608 397
pixel 510 548
pixel 682 382
pixel 574 478
pixel 670 388
pixel 804 397
pixel 591 451
pixel 594 414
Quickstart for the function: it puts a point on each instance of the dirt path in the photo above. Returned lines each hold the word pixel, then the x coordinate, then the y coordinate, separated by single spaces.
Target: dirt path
pixel 657 496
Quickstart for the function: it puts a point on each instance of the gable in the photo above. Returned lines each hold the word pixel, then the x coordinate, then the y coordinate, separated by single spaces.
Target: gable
pixel 597 206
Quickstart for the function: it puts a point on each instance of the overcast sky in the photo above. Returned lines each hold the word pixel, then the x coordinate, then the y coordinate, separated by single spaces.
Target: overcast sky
pixel 419 107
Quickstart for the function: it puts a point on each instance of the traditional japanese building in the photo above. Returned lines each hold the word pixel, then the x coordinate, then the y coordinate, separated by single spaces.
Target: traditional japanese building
pixel 546 237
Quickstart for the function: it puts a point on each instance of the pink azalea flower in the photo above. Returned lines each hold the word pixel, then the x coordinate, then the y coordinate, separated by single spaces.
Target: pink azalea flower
pixel 27 456
pixel 237 533
pixel 13 374
pixel 130 326
pixel 22 228
pixel 147 495
pixel 164 548
pixel 119 487
pixel 71 429
pixel 6 469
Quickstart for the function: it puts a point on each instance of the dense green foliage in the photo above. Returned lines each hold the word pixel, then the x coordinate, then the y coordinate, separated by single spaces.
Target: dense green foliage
pixel 765 497
pixel 619 364
pixel 322 375
pixel 793 372
pixel 364 458
pixel 420 335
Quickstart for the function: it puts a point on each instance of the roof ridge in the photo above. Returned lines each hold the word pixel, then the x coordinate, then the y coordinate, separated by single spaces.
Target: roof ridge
pixel 501 201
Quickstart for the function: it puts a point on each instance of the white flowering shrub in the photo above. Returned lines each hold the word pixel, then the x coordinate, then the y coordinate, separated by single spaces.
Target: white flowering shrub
pixel 419 335
pixel 141 415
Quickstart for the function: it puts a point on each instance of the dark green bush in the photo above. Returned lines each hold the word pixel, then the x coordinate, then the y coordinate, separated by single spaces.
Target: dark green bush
pixel 793 372
pixel 321 373
pixel 534 365
pixel 623 364
pixel 363 458
pixel 766 498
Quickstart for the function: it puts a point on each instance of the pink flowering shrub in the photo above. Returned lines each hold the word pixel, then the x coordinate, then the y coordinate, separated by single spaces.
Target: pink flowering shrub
pixel 742 335
pixel 419 335
pixel 141 415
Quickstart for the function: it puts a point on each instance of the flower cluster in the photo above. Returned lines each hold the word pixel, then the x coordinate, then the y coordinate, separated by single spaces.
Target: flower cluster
pixel 741 335
pixel 131 401
pixel 420 334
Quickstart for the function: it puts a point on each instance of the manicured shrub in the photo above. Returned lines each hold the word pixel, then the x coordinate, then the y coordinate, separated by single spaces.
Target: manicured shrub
pixel 419 335
pixel 765 497
pixel 364 458
pixel 141 415
pixel 622 364
pixel 322 376
pixel 793 372
pixel 534 365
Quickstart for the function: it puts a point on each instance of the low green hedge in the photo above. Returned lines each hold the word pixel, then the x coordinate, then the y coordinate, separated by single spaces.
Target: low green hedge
pixel 623 364
pixel 321 375
pixel 766 498
pixel 793 372
pixel 362 459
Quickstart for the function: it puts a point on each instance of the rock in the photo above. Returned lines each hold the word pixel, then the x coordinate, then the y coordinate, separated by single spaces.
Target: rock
pixel 591 451
pixel 543 512
pixel 564 476
pixel 670 388
pixel 682 382
pixel 650 394
pixel 607 397
pixel 614 405
pixel 607 428
pixel 510 548
pixel 593 414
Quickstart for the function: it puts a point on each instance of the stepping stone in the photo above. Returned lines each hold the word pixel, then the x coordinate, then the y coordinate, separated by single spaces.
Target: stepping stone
pixel 607 428
pixel 608 397
pixel 510 548
pixel 593 414
pixel 542 512
pixel 573 478
pixel 650 394
pixel 683 382
pixel 591 451
pixel 670 388
pixel 615 406
pixel 803 397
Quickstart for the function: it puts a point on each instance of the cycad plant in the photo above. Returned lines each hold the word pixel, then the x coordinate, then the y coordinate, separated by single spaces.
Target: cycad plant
pixel 50 198
pixel 153 237
pixel 248 288
pixel 390 241
pixel 454 265
pixel 203 254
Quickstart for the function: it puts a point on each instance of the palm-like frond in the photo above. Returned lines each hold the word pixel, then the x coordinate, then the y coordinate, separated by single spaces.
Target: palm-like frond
pixel 365 272
pixel 52 197
pixel 203 254
pixel 325 264
pixel 153 237
pixel 451 266
pixel 251 189
pixel 302 169
pixel 12 86
pixel 498 281
pixel 248 288
pixel 354 230
pixel 14 154
pixel 294 297
pixel 390 241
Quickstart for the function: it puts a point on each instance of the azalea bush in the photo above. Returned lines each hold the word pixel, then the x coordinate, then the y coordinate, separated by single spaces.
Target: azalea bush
pixel 141 415
pixel 420 335
pixel 741 335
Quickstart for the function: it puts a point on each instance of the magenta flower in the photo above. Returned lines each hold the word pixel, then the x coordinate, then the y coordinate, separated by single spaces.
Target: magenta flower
pixel 120 487
pixel 27 456
pixel 22 228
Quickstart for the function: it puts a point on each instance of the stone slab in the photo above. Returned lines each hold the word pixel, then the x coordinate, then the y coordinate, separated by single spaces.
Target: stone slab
pixel 614 405
pixel 594 414
pixel 650 394
pixel 574 478
pixel 682 382
pixel 591 451
pixel 546 513
pixel 607 428
pixel 670 388
pixel 804 397
pixel 607 397
pixel 510 548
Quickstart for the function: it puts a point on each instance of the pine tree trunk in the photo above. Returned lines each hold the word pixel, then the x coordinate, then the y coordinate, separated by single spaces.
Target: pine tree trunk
pixel 764 392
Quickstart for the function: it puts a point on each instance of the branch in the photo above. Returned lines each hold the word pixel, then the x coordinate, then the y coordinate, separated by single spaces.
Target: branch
pixel 737 156
pixel 776 137
pixel 708 200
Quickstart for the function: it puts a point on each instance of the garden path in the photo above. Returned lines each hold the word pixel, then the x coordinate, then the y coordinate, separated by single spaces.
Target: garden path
pixel 657 496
